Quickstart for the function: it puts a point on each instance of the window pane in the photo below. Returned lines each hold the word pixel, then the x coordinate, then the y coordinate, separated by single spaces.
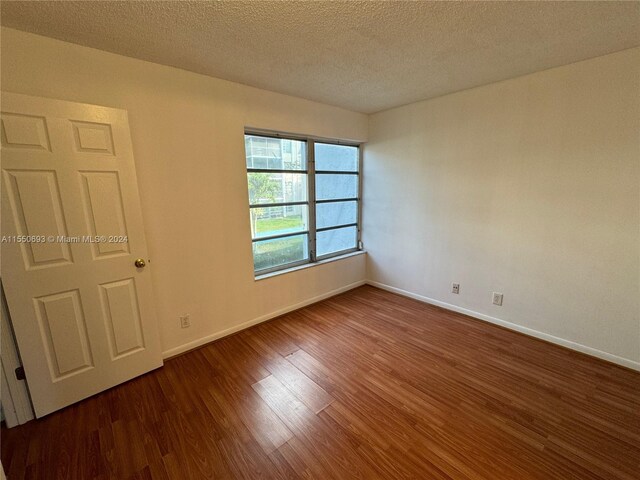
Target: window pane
pixel 280 251
pixel 338 213
pixel 336 186
pixel 265 188
pixel 340 158
pixel 275 153
pixel 270 221
pixel 331 241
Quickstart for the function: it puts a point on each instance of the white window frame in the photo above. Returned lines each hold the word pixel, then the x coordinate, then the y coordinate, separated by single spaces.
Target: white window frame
pixel 311 202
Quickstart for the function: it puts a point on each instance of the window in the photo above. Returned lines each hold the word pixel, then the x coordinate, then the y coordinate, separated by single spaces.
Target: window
pixel 303 200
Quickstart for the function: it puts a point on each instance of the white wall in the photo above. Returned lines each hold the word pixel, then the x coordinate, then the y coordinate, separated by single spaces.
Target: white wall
pixel 187 132
pixel 529 187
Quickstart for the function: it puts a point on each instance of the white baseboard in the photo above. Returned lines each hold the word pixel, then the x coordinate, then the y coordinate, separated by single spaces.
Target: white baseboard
pixel 625 362
pixel 215 336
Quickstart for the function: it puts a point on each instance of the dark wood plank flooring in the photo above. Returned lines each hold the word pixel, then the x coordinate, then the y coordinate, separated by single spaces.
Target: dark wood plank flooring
pixel 365 385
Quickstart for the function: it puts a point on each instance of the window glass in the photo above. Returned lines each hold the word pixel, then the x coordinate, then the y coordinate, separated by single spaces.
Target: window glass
pixel 272 221
pixel 336 213
pixel 275 153
pixel 268 187
pixel 338 240
pixel 330 186
pixel 277 252
pixel 340 158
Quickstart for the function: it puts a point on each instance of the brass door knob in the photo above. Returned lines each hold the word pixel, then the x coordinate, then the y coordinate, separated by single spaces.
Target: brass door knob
pixel 140 263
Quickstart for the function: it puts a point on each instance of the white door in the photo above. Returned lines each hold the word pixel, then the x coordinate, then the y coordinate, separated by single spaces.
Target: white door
pixel 82 312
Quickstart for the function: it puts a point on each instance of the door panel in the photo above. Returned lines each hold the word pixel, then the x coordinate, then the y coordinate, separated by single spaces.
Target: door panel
pixel 83 314
pixel 64 333
pixel 34 198
pixel 122 317
pixel 93 137
pixel 102 200
pixel 25 131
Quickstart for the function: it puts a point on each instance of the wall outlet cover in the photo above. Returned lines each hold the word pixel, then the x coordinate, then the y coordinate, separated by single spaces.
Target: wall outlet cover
pixel 497 299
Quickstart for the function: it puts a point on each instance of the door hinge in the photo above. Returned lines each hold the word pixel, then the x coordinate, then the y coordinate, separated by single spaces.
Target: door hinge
pixel 20 373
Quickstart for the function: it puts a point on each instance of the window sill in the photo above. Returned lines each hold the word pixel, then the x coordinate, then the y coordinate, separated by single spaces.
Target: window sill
pixel 309 265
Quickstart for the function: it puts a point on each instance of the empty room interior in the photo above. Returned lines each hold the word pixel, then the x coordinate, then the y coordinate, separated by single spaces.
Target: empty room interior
pixel 320 240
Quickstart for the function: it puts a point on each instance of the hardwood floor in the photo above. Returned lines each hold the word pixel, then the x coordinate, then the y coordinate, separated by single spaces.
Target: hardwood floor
pixel 366 385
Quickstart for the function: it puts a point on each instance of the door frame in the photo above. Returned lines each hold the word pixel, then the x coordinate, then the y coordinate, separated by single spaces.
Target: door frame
pixel 15 400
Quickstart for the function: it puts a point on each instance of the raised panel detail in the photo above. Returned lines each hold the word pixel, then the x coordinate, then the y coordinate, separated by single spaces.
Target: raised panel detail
pixel 122 317
pixel 64 333
pixel 104 211
pixel 25 131
pixel 93 137
pixel 37 210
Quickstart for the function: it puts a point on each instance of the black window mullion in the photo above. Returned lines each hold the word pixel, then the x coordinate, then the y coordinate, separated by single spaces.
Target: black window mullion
pixel 359 204
pixel 283 235
pixel 336 200
pixel 311 189
pixel 273 170
pixel 336 227
pixel 280 204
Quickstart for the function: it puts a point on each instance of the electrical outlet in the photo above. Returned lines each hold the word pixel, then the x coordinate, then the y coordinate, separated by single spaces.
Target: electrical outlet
pixel 497 299
pixel 455 288
pixel 185 321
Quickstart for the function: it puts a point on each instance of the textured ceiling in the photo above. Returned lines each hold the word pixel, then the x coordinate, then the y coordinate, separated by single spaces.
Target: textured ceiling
pixel 362 55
